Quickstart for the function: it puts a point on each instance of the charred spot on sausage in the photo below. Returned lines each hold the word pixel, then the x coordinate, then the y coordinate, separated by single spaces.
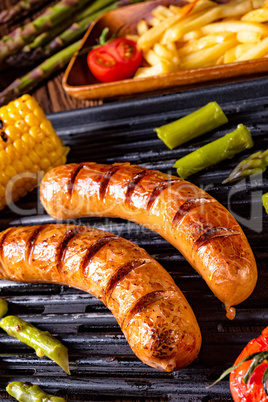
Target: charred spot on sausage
pixel 132 185
pixel 187 207
pixel 212 234
pixel 106 179
pixel 32 241
pixel 158 190
pixel 140 304
pixel 119 274
pixel 72 178
pixel 62 246
pixel 92 251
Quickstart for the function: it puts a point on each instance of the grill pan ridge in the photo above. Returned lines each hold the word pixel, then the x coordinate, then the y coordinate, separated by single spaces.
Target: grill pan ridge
pixel 102 364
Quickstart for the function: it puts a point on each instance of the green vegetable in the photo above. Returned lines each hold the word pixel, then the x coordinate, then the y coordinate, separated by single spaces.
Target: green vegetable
pixel 21 8
pixel 215 152
pixel 53 16
pixel 62 35
pixel 27 392
pixel 38 74
pixel 3 307
pixel 265 202
pixel 189 127
pixel 41 341
pixel 254 164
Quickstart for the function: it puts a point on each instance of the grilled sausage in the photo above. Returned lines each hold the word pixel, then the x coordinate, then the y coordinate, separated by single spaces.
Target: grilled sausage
pixel 155 317
pixel 190 219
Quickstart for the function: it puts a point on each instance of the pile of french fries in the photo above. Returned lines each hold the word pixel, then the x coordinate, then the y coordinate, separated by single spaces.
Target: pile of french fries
pixel 202 34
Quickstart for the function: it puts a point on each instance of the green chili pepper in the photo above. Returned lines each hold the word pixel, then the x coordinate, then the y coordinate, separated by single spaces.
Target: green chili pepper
pixel 191 126
pixel 41 341
pixel 27 392
pixel 3 307
pixel 211 154
pixel 265 202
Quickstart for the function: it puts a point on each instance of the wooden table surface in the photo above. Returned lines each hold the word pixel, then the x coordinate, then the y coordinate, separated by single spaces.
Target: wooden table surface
pixel 49 94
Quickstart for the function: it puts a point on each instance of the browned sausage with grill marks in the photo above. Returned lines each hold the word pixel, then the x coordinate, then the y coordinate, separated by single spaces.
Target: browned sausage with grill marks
pixel 154 315
pixel 186 216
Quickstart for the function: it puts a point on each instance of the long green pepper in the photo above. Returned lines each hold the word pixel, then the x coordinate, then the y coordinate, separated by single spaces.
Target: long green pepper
pixel 27 392
pixel 211 154
pixel 3 307
pixel 41 341
pixel 191 126
pixel 265 202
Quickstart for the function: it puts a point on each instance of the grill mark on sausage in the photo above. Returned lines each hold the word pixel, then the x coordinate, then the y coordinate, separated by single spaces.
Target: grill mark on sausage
pixel 105 181
pixel 72 178
pixel 2 240
pixel 92 251
pixel 62 246
pixel 132 184
pixel 142 303
pixel 158 190
pixel 187 207
pixel 32 241
pixel 212 234
pixel 120 274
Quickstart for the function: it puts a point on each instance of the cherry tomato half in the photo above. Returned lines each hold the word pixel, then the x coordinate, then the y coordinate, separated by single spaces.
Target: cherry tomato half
pixel 253 391
pixel 116 60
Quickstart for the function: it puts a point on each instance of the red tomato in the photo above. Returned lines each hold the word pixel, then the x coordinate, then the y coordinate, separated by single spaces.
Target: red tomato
pixel 253 391
pixel 116 60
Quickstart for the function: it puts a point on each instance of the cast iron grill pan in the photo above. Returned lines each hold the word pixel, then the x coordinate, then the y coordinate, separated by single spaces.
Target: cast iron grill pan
pixel 102 365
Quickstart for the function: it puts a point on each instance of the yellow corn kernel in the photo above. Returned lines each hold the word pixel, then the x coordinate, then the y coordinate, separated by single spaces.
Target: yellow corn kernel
pixel 37 133
pixel 22 126
pixel 28 140
pixel 32 120
pixel 28 144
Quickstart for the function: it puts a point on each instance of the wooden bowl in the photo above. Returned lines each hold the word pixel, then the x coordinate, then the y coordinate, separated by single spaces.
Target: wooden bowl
pixel 80 83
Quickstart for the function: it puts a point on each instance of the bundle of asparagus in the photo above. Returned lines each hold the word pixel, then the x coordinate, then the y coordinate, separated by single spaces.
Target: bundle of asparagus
pixel 54 37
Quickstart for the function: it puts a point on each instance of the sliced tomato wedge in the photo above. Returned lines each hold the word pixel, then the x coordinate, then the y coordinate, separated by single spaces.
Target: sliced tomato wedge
pixel 117 60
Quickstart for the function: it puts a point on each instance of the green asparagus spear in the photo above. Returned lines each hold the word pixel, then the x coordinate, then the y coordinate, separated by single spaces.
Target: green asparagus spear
pixel 254 164
pixel 53 16
pixel 20 9
pixel 191 126
pixel 74 32
pixel 41 341
pixel 265 202
pixel 27 392
pixel 38 74
pixel 215 152
pixel 59 36
pixel 3 307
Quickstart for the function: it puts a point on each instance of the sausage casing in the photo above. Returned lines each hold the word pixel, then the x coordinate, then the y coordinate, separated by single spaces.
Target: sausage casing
pixel 189 218
pixel 154 315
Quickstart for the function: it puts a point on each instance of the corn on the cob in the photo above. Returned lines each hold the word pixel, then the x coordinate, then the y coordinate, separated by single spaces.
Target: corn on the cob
pixel 28 145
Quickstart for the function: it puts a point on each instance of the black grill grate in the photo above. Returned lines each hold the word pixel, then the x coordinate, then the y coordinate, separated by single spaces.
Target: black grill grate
pixel 102 364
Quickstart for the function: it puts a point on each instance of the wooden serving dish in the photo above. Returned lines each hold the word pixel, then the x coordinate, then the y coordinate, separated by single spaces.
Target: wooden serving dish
pixel 80 83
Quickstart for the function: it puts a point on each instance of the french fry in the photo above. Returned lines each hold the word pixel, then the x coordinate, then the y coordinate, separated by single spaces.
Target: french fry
pixel 248 37
pixel 162 12
pixel 163 67
pixel 142 27
pixel 236 26
pixel 206 57
pixel 257 50
pixel 151 36
pixel 204 42
pixel 203 19
pixel 202 34
pixel 154 21
pixel 259 15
